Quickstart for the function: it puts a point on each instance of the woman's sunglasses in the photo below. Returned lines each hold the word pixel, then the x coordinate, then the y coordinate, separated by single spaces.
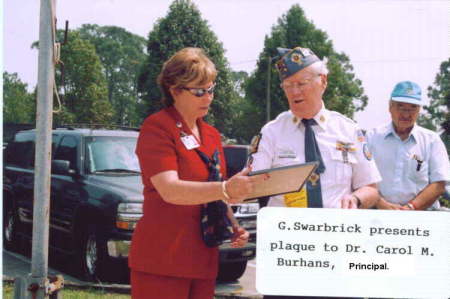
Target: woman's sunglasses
pixel 199 92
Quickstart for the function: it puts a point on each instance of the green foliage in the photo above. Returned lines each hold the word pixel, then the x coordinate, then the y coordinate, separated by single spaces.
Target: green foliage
pixel 184 27
pixel 238 80
pixel 444 202
pixel 344 92
pixel 121 54
pixel 436 115
pixel 244 115
pixel 437 112
pixel 84 94
pixel 243 112
pixel 19 106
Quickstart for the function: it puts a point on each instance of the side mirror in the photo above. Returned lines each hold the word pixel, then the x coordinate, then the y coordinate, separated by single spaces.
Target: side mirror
pixel 61 167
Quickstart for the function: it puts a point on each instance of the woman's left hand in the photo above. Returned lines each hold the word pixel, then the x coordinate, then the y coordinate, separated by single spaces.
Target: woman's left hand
pixel 240 237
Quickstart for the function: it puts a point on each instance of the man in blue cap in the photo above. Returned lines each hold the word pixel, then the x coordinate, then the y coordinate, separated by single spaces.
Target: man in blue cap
pixel 412 160
pixel 346 176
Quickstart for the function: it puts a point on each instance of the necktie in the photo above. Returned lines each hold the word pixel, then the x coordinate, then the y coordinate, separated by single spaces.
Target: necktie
pixel 312 153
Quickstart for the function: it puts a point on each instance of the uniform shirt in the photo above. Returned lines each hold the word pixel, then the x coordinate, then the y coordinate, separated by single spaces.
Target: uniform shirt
pixel 397 161
pixel 283 143
pixel 167 240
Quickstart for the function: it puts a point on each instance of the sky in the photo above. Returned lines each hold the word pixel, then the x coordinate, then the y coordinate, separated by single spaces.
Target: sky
pixel 387 40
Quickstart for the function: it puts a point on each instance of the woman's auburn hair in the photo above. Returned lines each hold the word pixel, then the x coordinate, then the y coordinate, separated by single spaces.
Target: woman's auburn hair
pixel 187 66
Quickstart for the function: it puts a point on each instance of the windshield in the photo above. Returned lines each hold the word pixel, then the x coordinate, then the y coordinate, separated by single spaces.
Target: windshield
pixel 111 154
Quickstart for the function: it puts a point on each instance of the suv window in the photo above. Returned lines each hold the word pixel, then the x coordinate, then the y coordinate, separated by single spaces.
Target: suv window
pixel 236 157
pixel 20 152
pixel 67 150
pixel 108 153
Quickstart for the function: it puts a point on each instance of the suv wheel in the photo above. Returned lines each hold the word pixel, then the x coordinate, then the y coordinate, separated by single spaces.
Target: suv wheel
pixel 91 256
pixel 10 237
pixel 231 271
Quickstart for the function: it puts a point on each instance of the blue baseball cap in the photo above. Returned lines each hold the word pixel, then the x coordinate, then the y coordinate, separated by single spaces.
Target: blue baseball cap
pixel 294 60
pixel 407 92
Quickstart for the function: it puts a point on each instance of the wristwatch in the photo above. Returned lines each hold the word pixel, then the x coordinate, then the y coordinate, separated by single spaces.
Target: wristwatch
pixel 358 201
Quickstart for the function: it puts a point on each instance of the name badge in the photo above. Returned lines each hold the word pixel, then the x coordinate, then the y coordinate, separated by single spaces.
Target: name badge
pixel 189 142
pixel 287 154
pixel 296 199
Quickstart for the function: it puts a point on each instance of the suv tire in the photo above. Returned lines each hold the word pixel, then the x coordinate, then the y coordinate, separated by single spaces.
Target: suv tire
pixel 91 256
pixel 231 271
pixel 10 236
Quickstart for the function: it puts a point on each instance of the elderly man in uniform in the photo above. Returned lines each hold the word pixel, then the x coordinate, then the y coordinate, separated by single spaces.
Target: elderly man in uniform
pixel 412 160
pixel 346 177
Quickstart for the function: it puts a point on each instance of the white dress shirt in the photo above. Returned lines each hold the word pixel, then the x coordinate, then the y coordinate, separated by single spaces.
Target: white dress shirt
pixel 283 143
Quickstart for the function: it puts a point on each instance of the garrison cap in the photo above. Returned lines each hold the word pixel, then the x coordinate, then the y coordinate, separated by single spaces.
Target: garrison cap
pixel 294 60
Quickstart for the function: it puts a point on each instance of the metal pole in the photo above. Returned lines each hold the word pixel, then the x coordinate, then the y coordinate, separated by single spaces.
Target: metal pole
pixel 46 73
pixel 269 62
pixel 38 282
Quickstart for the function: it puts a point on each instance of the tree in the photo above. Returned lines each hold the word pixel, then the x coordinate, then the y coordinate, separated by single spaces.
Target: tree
pixel 344 92
pixel 436 115
pixel 19 106
pixel 121 54
pixel 244 112
pixel 84 95
pixel 184 27
pixel 437 112
pixel 238 79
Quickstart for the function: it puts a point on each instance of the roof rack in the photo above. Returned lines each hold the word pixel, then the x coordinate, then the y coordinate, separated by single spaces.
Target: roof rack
pixel 94 126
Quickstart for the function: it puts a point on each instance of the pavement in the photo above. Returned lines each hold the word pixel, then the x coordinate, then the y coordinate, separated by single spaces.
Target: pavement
pixel 17 265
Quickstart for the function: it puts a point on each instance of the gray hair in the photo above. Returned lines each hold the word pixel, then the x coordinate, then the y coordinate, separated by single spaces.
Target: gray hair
pixel 320 67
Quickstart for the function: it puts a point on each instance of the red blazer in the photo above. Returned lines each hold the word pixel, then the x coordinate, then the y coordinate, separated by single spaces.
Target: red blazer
pixel 167 239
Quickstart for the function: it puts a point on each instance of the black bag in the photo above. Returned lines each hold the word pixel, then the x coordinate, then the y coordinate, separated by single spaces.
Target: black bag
pixel 215 225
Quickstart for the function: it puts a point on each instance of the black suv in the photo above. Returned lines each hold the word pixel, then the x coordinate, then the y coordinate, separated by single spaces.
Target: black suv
pixel 96 200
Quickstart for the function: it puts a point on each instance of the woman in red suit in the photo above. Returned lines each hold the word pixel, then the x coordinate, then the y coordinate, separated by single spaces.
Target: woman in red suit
pixel 168 257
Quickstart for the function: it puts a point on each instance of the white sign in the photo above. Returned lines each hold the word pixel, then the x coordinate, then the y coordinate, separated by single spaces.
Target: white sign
pixel 353 253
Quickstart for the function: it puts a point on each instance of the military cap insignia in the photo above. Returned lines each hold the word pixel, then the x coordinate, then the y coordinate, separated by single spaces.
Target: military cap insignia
pixel 296 58
pixel 367 152
pixel 409 91
pixel 293 60
pixel 282 68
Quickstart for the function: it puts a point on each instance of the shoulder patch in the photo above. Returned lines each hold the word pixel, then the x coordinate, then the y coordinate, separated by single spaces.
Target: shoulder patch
pixel 367 152
pixel 255 143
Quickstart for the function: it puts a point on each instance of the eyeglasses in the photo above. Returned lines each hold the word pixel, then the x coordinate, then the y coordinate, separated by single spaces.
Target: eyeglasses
pixel 403 109
pixel 199 92
pixel 289 86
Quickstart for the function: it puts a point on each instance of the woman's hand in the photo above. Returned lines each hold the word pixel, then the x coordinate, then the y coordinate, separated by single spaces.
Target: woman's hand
pixel 240 237
pixel 240 186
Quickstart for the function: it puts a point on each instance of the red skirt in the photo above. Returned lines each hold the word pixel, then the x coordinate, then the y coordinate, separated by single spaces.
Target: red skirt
pixel 150 286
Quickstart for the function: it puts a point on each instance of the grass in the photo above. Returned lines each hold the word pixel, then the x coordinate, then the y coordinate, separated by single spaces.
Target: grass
pixel 71 293
pixel 444 202
pixel 74 293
